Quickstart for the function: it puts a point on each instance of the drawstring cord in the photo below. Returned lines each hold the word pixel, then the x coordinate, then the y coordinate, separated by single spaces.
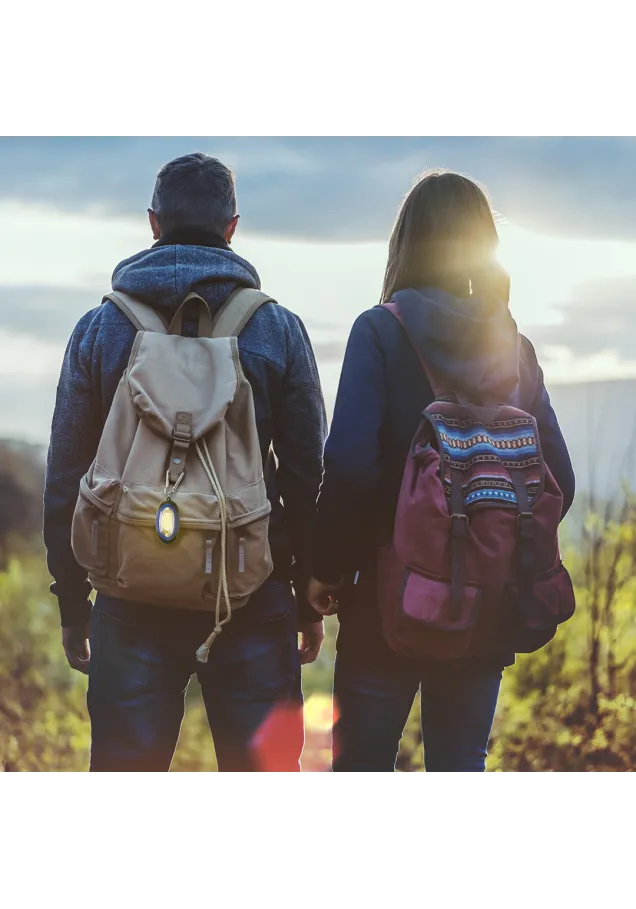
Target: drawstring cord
pixel 222 590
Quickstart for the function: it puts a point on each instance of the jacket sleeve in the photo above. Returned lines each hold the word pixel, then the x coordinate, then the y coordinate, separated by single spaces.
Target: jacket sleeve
pixel 555 451
pixel 75 436
pixel 353 466
pixel 300 429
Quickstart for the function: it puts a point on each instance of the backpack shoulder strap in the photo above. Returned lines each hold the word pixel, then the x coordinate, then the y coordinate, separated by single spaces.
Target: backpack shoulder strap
pixel 237 311
pixel 142 316
pixel 531 376
pixel 436 385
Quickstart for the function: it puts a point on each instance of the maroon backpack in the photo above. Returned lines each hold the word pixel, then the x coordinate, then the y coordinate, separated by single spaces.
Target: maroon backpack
pixel 474 565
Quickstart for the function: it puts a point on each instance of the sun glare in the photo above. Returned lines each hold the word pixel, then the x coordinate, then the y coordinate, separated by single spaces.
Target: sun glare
pixel 546 272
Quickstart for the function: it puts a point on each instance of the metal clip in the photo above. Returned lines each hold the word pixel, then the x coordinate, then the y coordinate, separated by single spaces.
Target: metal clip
pixel 170 492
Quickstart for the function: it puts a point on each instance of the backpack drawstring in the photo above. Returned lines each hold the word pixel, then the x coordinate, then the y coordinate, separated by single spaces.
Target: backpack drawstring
pixel 222 590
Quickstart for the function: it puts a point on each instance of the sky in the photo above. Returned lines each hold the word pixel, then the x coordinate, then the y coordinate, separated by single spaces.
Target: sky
pixel 315 219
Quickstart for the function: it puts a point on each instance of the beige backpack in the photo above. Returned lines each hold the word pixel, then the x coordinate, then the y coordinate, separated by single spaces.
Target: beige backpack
pixel 174 511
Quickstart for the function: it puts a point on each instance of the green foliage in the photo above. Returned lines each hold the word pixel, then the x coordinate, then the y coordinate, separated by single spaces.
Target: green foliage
pixel 43 718
pixel 43 722
pixel 411 756
pixel 570 707
pixel 195 751
pixel 21 482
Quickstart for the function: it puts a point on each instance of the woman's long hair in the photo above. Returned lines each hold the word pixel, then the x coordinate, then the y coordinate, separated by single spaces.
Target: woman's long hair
pixel 445 236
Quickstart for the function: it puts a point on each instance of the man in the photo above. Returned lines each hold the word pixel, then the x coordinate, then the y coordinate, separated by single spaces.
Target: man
pixel 139 658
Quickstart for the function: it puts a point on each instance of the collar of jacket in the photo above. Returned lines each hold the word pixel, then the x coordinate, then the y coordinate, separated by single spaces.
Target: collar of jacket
pixel 192 236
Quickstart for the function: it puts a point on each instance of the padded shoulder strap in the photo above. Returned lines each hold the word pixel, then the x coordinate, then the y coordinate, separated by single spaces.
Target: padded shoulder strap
pixel 436 386
pixel 237 311
pixel 531 375
pixel 142 316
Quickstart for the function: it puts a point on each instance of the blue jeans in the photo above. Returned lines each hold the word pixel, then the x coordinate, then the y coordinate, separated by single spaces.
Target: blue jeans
pixel 142 659
pixel 372 706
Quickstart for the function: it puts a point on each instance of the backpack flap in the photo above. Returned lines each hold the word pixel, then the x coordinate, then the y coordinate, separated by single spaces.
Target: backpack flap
pixel 165 375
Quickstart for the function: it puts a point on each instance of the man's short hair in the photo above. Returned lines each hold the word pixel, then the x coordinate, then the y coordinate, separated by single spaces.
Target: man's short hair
pixel 194 191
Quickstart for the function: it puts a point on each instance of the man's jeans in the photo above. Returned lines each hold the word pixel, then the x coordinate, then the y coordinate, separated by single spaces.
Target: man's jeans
pixel 372 706
pixel 141 662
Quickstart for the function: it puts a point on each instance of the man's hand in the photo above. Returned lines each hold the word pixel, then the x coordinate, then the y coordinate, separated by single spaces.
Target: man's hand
pixel 322 597
pixel 312 634
pixel 76 647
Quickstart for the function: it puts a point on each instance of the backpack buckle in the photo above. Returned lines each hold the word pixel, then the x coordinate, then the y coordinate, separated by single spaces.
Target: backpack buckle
pixel 182 431
pixel 459 525
pixel 182 438
pixel 525 525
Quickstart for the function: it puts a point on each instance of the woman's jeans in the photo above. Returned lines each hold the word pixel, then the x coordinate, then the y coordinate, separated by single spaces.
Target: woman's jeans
pixel 142 659
pixel 372 706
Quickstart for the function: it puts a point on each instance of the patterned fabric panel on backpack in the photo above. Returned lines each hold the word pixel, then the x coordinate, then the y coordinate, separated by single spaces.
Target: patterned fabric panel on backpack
pixel 485 452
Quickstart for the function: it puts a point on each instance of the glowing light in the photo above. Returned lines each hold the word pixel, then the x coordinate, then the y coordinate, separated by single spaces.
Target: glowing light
pixel 167 522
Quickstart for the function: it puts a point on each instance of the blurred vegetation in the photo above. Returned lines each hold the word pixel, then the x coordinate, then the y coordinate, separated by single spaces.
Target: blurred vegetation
pixel 21 482
pixel 43 719
pixel 570 707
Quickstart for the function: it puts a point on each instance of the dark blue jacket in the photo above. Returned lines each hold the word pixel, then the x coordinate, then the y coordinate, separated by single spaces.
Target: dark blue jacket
pixel 383 391
pixel 277 359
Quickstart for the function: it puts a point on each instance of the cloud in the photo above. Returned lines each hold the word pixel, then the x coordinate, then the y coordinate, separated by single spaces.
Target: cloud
pixel 329 351
pixel 27 407
pixel 47 313
pixel 340 188
pixel 598 421
pixel 600 320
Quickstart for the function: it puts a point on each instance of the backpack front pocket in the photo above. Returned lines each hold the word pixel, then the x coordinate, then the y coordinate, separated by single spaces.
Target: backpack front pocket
pixel 176 575
pixel 90 532
pixel 249 561
pixel 534 617
pixel 428 601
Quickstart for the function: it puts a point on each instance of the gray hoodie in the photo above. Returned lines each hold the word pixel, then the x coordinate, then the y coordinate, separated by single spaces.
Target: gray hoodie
pixel 277 359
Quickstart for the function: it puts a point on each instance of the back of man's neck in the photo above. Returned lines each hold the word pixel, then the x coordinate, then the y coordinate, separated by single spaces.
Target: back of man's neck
pixel 192 236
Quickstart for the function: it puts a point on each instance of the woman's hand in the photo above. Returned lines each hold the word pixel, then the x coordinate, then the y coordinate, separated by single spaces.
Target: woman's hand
pixel 322 597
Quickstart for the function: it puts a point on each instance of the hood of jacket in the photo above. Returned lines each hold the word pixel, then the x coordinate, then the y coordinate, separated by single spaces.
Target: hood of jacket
pixel 167 272
pixel 471 344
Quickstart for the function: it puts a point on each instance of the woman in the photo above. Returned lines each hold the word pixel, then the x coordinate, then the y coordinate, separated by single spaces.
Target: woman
pixel 443 246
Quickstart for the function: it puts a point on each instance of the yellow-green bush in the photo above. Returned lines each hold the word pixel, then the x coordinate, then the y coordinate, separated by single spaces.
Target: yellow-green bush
pixel 43 720
pixel 548 718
